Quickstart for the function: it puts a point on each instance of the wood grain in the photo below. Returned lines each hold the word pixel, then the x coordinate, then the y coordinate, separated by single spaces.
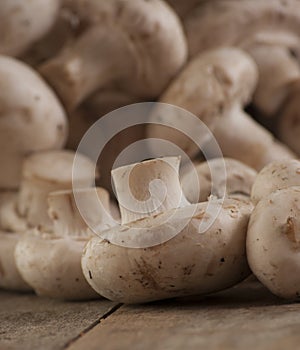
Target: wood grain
pixel 29 322
pixel 245 317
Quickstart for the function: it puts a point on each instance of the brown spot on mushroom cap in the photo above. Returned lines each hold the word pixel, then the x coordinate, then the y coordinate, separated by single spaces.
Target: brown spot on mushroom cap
pixel 289 229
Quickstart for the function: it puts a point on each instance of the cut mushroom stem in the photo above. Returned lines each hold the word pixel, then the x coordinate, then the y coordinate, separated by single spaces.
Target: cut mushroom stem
pixel 137 41
pixel 148 188
pixel 77 213
pixel 42 173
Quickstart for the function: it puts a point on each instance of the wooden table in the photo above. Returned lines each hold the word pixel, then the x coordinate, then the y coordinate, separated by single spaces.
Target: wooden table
pixel 245 317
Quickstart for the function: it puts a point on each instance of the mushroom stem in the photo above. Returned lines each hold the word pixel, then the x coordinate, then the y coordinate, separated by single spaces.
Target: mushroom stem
pixel 148 188
pixel 42 173
pixel 240 137
pixel 278 69
pixel 76 73
pixel 69 220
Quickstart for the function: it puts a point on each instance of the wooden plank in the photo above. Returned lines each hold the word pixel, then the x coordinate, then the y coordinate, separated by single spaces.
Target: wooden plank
pixel 29 322
pixel 246 317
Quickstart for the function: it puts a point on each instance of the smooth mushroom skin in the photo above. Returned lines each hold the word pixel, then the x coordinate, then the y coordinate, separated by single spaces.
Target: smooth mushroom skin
pixel 32 118
pixel 42 173
pixel 190 263
pixel 58 272
pixel 215 86
pixel 275 176
pixel 24 22
pixel 206 87
pixel 10 278
pixel 51 263
pixel 136 45
pixel 268 30
pixel 288 124
pixel 145 258
pixel 236 181
pixel 273 242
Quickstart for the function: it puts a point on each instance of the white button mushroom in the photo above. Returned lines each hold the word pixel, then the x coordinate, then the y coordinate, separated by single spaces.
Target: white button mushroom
pixel 32 118
pixel 51 262
pixel 272 238
pixel 135 45
pixel 268 30
pixel 236 182
pixel 273 242
pixel 9 275
pixel 42 173
pixel 275 176
pixel 162 253
pixel 214 87
pixel 24 22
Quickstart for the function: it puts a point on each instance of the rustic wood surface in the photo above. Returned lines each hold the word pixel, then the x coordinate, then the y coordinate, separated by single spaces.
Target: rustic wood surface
pixel 245 317
pixel 29 322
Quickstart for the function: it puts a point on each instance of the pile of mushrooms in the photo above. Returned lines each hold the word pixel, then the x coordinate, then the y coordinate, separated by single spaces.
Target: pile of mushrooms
pixel 233 66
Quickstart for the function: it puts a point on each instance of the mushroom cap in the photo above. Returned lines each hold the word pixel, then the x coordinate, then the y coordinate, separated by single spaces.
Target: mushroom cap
pixel 57 167
pixel 189 263
pixel 135 45
pixel 206 87
pixel 10 277
pixel 150 25
pixel 273 242
pixel 51 265
pixel 239 23
pixel 276 175
pixel 236 181
pixel 24 22
pixel 32 118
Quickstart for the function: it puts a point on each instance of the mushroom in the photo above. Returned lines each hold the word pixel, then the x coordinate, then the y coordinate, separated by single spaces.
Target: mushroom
pixel 215 86
pixel 32 118
pixel 267 30
pixel 275 176
pixel 64 31
pixel 24 22
pixel 42 173
pixel 9 275
pixel 159 251
pixel 273 242
pixel 51 262
pixel 137 46
pixel 236 182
